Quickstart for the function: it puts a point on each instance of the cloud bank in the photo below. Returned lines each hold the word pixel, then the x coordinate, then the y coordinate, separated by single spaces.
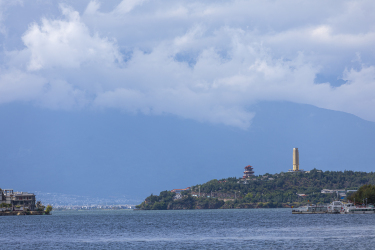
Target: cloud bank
pixel 208 61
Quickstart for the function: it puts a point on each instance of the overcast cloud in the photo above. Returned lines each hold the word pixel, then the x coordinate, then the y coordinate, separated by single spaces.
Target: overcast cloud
pixel 203 60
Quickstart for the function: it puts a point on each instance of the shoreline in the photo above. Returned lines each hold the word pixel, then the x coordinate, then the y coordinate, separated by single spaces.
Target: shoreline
pixel 12 213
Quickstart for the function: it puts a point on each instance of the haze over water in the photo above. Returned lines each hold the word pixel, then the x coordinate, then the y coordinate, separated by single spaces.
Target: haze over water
pixel 188 229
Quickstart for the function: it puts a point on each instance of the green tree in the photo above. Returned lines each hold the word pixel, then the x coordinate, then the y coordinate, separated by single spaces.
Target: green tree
pixel 48 209
pixel 366 191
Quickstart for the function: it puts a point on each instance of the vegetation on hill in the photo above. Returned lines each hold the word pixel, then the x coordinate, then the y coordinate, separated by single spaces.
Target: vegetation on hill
pixel 166 201
pixel 363 193
pixel 269 190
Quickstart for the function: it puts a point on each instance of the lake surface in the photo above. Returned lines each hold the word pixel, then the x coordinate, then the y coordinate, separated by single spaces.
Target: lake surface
pixel 192 229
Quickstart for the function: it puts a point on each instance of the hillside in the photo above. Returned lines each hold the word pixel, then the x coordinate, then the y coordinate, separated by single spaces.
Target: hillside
pixel 269 190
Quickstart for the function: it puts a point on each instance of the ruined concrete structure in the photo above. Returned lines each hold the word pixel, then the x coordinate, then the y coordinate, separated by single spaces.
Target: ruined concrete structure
pixel 17 200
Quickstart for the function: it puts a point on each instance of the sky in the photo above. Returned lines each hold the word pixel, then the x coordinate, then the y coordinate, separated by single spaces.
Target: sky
pixel 205 62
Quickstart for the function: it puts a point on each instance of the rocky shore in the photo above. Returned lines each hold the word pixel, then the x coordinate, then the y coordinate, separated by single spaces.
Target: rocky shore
pixel 22 213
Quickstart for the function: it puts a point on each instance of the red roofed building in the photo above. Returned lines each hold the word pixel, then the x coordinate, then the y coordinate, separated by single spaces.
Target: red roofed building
pixel 177 191
pixel 248 172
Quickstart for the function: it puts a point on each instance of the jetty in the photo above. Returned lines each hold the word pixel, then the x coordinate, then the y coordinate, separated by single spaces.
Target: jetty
pixel 336 207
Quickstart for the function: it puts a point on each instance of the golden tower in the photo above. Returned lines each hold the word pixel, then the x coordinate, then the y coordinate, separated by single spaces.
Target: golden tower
pixel 295 159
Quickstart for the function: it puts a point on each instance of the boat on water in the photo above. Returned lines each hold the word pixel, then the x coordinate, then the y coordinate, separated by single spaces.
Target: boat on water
pixel 350 208
pixel 310 209
pixel 336 207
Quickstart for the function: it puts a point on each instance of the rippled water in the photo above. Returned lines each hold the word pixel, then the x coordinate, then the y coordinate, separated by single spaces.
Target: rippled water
pixel 192 229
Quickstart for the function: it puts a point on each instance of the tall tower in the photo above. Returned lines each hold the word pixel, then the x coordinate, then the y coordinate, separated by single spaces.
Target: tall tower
pixel 295 159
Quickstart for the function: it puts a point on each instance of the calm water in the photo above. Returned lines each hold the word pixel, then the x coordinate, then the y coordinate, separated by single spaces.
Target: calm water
pixel 193 229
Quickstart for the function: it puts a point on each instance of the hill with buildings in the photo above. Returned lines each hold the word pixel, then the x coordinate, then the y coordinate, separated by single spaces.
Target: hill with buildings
pixel 268 190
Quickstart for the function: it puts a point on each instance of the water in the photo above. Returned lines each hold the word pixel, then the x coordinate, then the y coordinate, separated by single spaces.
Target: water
pixel 192 229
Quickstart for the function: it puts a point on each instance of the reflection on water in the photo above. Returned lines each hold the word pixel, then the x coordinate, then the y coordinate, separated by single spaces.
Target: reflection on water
pixel 251 228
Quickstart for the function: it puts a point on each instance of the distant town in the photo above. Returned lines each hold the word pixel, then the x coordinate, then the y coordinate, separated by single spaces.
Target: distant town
pixel 93 207
pixel 26 202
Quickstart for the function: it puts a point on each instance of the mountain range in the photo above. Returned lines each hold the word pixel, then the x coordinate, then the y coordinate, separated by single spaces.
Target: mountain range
pixel 112 153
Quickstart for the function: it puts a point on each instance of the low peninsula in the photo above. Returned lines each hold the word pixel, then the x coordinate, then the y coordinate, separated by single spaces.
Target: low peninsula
pixel 284 189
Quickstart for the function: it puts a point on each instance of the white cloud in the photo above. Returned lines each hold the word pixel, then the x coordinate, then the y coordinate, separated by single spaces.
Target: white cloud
pixel 205 61
pixel 66 43
pixel 127 5
pixel 16 85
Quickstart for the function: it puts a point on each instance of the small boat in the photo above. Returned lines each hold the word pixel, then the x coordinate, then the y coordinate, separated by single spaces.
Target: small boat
pixel 335 207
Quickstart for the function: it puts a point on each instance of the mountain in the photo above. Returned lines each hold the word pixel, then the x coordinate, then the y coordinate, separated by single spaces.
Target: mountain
pixel 109 153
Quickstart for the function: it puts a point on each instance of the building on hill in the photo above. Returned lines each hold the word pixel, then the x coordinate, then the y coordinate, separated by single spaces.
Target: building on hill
pixel 18 200
pixel 295 162
pixel 177 191
pixel 295 159
pixel 338 192
pixel 249 172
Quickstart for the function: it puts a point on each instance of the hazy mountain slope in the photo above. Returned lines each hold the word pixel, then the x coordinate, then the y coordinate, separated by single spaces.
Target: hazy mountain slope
pixel 113 153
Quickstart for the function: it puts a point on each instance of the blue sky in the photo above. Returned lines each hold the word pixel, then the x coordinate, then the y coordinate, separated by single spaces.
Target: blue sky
pixel 204 62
